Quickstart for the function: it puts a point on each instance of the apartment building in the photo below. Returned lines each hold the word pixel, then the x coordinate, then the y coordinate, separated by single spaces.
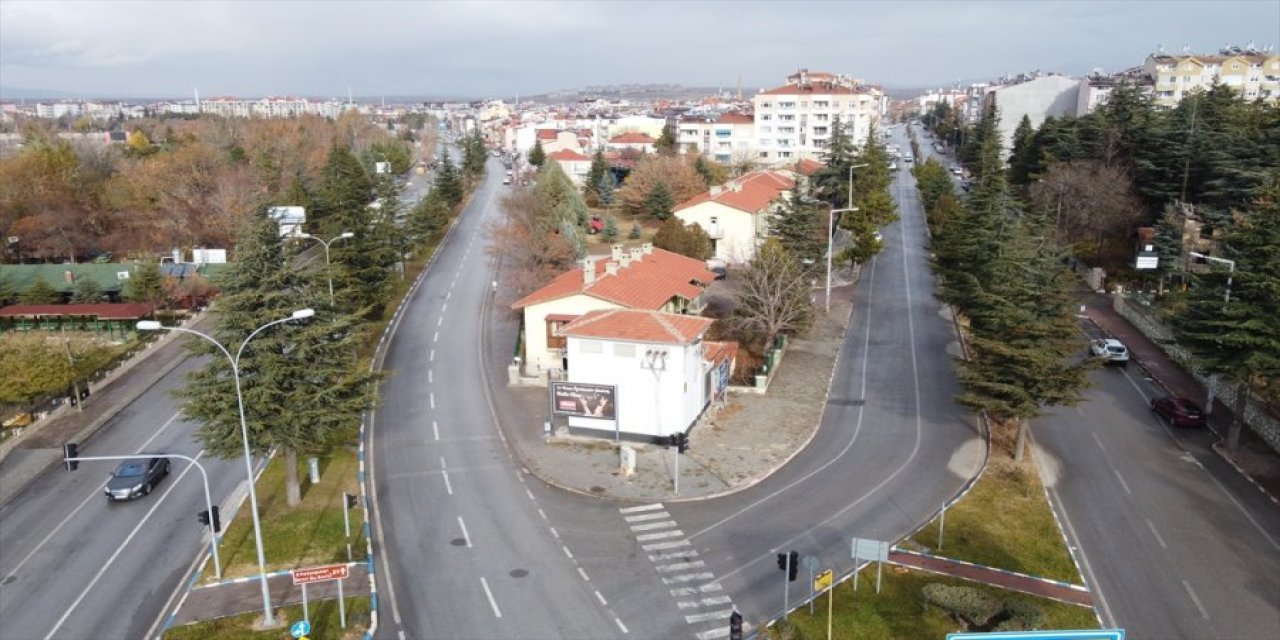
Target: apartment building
pixel 793 121
pixel 1252 73
pixel 725 138
pixel 1037 98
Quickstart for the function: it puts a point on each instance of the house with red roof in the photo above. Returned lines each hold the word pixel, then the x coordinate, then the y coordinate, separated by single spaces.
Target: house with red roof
pixel 631 140
pixel 738 214
pixel 558 140
pixel 641 277
pixel 644 373
pixel 576 165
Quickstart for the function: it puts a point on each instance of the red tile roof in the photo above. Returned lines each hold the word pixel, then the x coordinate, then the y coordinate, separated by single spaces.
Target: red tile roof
pixel 568 155
pixel 808 167
pixel 547 134
pixel 750 192
pixel 736 118
pixel 817 89
pixel 632 137
pixel 104 311
pixel 648 283
pixel 715 352
pixel 639 326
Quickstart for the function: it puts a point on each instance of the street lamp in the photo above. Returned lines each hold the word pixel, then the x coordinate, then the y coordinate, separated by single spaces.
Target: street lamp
pixel 328 270
pixel 1231 269
pixel 300 314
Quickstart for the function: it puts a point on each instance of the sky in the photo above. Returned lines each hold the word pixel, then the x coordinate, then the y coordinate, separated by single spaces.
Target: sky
pixel 477 49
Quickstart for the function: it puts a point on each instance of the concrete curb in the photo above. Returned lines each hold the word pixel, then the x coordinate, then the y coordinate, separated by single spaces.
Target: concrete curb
pixel 1066 585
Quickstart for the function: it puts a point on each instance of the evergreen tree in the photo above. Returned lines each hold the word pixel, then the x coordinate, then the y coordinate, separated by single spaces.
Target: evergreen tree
pixel 361 265
pixel 537 157
pixel 831 182
pixel 558 206
pixel 636 232
pixel 1233 329
pixel 659 203
pixel 932 180
pixel 345 186
pixel 606 190
pixel 610 231
pixel 40 292
pixel 595 176
pixel 1020 156
pixel 302 387
pixel 666 143
pixel 86 290
pixel 448 183
pixel 473 155
pixel 146 284
pixel 429 217
pixel 687 240
pixel 871 182
pixel 1168 243
pixel 801 230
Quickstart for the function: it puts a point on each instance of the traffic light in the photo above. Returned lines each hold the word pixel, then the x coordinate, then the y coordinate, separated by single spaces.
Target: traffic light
pixel 735 625
pixel 69 451
pixel 793 567
pixel 350 500
pixel 217 521
pixel 782 561
pixel 673 440
pixel 203 517
pixel 682 442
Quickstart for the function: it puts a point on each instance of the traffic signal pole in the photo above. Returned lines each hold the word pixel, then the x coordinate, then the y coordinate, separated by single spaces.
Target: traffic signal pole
pixel 69 456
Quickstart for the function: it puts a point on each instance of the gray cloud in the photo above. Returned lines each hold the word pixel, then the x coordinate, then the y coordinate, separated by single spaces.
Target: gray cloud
pixel 498 48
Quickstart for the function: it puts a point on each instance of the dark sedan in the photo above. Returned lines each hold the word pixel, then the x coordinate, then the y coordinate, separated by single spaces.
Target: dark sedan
pixel 1179 412
pixel 136 478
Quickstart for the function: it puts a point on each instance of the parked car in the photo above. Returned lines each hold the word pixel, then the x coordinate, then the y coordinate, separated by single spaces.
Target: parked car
pixel 721 272
pixel 135 478
pixel 1112 350
pixel 1179 412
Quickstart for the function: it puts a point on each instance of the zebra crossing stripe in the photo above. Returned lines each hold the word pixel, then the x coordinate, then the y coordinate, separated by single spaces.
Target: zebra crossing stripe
pixel 711 634
pixel 711 586
pixel 658 546
pixel 682 555
pixel 682 566
pixel 722 614
pixel 705 602
pixel 688 577
pixel 647 516
pixel 670 533
pixel 653 525
pixel 643 507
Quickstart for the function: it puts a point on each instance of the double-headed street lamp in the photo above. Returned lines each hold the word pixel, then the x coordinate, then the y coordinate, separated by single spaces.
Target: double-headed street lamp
pixel 1231 270
pixel 327 268
pixel 152 325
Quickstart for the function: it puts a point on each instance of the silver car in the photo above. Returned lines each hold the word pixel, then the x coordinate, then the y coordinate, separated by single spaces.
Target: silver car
pixel 1110 349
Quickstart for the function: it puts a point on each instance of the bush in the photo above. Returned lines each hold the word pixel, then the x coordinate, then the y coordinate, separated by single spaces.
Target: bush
pixel 966 603
pixel 1020 615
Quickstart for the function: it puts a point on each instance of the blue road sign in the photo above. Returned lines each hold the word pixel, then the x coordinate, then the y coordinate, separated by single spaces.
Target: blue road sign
pixel 300 629
pixel 1095 634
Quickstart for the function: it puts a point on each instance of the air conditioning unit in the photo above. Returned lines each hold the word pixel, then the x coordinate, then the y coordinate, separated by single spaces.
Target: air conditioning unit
pixel 122 275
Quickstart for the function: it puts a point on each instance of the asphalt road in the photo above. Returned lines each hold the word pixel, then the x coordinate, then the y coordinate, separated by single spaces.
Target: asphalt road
pixel 1176 543
pixel 74 565
pixel 462 549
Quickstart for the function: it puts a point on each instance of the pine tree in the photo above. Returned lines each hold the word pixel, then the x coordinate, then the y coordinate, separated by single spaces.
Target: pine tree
pixel 429 216
pixel 666 142
pixel 606 190
pixel 146 284
pixel 448 184
pixel 473 155
pixel 610 231
pixel 659 203
pixel 831 182
pixel 636 232
pixel 1020 156
pixel 595 176
pixel 302 386
pixel 86 290
pixel 800 230
pixel 40 292
pixel 537 157
pixel 345 186
pixel 362 264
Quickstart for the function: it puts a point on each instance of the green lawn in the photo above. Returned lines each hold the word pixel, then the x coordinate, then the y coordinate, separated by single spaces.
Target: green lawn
pixel 306 535
pixel 899 612
pixel 324 624
pixel 1004 522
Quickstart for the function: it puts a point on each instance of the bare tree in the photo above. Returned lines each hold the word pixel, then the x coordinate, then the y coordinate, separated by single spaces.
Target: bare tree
pixel 1093 207
pixel 774 296
pixel 532 252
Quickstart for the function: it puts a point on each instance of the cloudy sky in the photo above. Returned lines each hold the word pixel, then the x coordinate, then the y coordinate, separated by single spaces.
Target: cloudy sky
pixel 479 49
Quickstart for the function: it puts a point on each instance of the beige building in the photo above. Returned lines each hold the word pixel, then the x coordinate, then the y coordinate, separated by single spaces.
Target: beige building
pixel 725 138
pixel 1255 75
pixel 793 122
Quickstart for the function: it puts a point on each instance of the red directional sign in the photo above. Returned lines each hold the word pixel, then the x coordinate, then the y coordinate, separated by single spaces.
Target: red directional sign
pixel 319 574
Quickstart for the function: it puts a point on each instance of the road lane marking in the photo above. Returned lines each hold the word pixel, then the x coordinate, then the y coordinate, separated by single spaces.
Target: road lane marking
pixel 1098 440
pixel 1191 592
pixel 50 535
pixel 542 513
pixel 582 572
pixel 448 486
pixel 432 395
pixel 466 537
pixel 659 557
pixel 647 516
pixel 643 507
pixel 1152 526
pixel 681 566
pixel 621 626
pixel 689 577
pixel 554 533
pixel 435 337
pixel 567 553
pixel 439 321
pixel 653 525
pixel 603 602
pixel 430 376
pixel 443 307
pixel 1123 484
pixel 435 429
pixel 120 548
pixel 658 546
pixel 722 614
pixel 432 356
pixel 489 594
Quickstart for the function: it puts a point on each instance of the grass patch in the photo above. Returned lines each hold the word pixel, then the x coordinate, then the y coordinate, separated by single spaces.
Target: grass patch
pixel 309 534
pixel 899 611
pixel 1004 522
pixel 324 624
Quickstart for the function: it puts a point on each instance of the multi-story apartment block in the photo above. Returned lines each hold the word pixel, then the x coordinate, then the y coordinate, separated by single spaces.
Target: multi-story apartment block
pixel 793 122
pixel 726 138
pixel 1254 74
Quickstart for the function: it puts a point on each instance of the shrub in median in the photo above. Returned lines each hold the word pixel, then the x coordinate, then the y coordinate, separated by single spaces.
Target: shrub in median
pixel 1020 615
pixel 966 603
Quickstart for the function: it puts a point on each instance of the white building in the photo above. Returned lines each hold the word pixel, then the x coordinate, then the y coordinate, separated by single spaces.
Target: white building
pixel 725 138
pixel 574 164
pixel 663 374
pixel 737 215
pixel 793 122
pixel 1255 75
pixel 1036 99
pixel 58 109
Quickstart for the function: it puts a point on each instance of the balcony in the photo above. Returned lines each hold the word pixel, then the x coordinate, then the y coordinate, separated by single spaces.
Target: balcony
pixel 715 231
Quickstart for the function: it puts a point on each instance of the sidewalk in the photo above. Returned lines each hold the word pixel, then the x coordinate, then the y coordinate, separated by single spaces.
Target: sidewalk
pixel 1254 459
pixel 1052 589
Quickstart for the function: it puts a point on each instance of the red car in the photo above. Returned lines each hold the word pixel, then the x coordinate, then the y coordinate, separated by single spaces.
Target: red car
pixel 1180 412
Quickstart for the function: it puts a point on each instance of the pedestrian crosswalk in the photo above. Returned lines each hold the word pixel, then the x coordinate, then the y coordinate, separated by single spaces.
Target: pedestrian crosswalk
pixel 699 598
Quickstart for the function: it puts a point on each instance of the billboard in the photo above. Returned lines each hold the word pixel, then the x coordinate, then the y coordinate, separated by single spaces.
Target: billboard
pixel 581 400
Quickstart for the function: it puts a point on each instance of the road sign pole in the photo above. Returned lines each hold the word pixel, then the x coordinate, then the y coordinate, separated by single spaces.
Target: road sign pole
pixel 831 597
pixel 346 525
pixel 677 480
pixel 786 587
pixel 879 572
pixel 812 596
pixel 342 606
pixel 942 519
pixel 305 615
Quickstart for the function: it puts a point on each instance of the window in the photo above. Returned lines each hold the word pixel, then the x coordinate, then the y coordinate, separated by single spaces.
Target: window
pixel 554 341
pixel 821 104
pixel 784 154
pixel 766 105
pixel 787 118
pixel 722 158
pixel 764 154
pixel 821 117
pixel 804 105
pixel 819 131
pixel 766 117
pixel 766 129
pixel 786 129
pixel 624 350
pixel 786 105
pixel 590 346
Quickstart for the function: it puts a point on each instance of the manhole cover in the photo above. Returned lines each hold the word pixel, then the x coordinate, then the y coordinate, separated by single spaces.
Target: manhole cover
pixel 519 573
pixel 458 542
pixel 597 489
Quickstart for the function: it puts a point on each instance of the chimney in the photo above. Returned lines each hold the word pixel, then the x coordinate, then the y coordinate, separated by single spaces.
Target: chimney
pixel 611 268
pixel 625 261
pixel 69 277
pixel 735 186
pixel 647 248
pixel 637 254
pixel 715 190
pixel 588 271
pixel 616 252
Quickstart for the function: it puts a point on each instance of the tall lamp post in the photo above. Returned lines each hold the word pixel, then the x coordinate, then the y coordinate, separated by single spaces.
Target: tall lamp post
pixel 152 325
pixel 327 268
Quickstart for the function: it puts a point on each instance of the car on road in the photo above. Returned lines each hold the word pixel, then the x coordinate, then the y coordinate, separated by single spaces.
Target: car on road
pixel 506 180
pixel 1110 349
pixel 135 478
pixel 1179 412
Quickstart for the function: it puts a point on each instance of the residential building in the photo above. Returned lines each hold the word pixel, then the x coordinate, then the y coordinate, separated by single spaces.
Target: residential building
pixel 1037 98
pixel 575 165
pixel 738 214
pixel 641 277
pixel 793 121
pixel 662 373
pixel 631 140
pixel 1254 74
pixel 725 138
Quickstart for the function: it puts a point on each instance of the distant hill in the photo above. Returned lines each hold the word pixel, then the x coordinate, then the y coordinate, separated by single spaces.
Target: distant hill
pixel 23 93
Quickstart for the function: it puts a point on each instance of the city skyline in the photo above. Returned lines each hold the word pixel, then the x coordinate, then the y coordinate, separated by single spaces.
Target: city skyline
pixel 320 49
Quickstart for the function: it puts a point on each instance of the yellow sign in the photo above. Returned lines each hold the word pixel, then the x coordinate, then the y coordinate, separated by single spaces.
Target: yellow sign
pixel 822 581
